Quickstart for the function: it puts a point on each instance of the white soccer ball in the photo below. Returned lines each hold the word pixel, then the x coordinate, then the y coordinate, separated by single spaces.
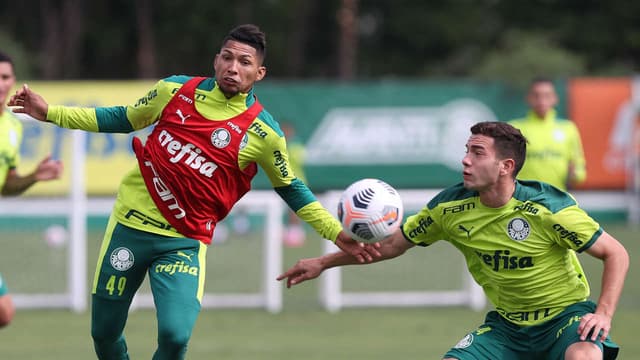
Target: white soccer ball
pixel 370 210
pixel 55 236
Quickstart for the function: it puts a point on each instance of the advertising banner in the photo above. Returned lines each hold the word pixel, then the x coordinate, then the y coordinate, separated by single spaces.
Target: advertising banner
pixel 109 156
pixel 410 134
pixel 607 116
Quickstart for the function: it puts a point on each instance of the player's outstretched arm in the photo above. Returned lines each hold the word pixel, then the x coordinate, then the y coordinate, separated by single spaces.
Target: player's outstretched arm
pixel 360 251
pixel 615 261
pixel 308 269
pixel 47 169
pixel 25 101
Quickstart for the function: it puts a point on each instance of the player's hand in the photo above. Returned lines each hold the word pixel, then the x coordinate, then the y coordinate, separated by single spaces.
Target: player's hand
pixel 362 252
pixel 594 324
pixel 25 101
pixel 48 169
pixel 303 270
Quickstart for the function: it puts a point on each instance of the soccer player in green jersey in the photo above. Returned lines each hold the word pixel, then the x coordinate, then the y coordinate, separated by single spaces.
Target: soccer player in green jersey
pixel 209 136
pixel 11 182
pixel 554 152
pixel 517 238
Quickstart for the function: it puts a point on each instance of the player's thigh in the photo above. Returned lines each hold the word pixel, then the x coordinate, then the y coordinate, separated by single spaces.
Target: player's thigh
pixel 487 342
pixel 124 257
pixel 177 272
pixel 567 340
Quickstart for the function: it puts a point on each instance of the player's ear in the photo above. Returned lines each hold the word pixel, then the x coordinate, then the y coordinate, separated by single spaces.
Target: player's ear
pixel 507 166
pixel 262 72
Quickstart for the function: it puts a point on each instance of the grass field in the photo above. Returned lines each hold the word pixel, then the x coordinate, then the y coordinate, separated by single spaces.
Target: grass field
pixel 303 330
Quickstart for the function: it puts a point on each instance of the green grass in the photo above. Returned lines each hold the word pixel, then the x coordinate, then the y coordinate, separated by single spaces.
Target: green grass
pixel 303 330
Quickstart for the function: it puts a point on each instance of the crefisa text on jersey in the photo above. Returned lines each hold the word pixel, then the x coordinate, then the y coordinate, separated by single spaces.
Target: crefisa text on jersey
pixel 501 260
pixel 194 159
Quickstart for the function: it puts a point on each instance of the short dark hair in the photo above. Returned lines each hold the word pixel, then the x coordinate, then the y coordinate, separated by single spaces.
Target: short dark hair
pixel 6 58
pixel 540 80
pixel 251 35
pixel 509 141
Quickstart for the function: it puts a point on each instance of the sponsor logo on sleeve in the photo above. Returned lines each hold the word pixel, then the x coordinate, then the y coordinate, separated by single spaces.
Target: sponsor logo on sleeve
pixel 567 234
pixel 423 224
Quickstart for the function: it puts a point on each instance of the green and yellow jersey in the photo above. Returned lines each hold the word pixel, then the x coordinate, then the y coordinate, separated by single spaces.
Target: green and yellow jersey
pixel 521 254
pixel 10 138
pixel 266 146
pixel 553 146
pixel 297 155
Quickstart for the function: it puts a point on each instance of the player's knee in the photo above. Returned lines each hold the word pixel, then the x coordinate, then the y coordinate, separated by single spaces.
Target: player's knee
pixel 105 334
pixel 173 341
pixel 583 351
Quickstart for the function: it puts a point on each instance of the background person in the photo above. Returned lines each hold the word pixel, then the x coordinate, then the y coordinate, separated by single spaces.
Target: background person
pixel 11 182
pixel 517 238
pixel 554 153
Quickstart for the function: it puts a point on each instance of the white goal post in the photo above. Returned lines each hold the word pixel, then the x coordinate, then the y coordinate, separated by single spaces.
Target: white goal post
pixel 74 208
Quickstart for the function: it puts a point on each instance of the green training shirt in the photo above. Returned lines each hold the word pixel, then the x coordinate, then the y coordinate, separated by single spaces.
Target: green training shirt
pixel 521 254
pixel 553 144
pixel 10 138
pixel 266 146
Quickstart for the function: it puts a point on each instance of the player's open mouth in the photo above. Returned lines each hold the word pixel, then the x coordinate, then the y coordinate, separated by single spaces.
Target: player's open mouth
pixel 229 80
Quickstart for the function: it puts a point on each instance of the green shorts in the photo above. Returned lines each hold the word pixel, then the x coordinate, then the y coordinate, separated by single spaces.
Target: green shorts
pixel 176 266
pixel 500 339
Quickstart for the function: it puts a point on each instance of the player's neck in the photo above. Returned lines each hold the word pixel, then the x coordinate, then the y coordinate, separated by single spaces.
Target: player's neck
pixel 498 195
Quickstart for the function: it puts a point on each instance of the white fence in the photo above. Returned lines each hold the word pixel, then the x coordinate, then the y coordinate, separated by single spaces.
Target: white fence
pixel 77 208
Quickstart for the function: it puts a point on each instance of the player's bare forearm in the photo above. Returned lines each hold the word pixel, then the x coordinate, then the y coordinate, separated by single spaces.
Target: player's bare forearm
pixel 615 266
pixel 392 246
pixel 48 169
pixel 308 269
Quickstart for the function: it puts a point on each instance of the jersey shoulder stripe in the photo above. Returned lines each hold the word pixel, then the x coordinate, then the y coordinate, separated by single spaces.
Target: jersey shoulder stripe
pixel 453 193
pixel 206 84
pixel 270 121
pixel 544 194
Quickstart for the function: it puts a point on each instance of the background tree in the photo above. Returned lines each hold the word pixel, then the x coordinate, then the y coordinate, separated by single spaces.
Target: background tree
pixel 484 39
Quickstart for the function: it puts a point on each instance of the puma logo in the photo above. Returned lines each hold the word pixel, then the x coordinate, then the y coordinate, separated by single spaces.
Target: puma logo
pixel 181 115
pixel 462 228
pixel 180 253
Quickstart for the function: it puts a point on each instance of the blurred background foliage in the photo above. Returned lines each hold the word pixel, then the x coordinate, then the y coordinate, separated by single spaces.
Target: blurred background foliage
pixel 329 39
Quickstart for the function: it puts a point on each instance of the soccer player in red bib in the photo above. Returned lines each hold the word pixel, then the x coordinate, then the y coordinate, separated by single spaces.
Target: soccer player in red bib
pixel 209 137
